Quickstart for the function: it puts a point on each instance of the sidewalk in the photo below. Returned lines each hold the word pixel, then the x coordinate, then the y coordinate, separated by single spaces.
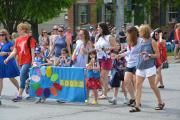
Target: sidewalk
pixel 51 110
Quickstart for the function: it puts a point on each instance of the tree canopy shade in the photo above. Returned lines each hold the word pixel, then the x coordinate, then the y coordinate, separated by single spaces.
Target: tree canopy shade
pixel 12 12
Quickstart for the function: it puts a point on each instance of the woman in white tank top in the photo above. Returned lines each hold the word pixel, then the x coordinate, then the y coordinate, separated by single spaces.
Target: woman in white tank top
pixel 104 44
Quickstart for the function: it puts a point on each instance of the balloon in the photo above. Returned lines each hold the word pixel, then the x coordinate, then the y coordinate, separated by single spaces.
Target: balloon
pixel 57 86
pixel 38 71
pixel 53 91
pixel 43 70
pixel 46 92
pixel 35 78
pixel 35 86
pixel 39 92
pixel 49 71
pixel 54 77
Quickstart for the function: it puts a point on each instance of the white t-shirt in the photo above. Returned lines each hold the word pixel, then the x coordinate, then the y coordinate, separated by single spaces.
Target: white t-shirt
pixel 132 55
pixel 102 42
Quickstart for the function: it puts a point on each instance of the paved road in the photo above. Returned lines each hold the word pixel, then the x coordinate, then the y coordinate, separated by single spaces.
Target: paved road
pixel 51 110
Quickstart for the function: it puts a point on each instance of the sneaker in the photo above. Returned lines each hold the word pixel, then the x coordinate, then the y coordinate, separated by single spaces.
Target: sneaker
pixel 113 101
pixel 94 102
pixel 38 101
pixel 103 97
pixel 17 99
pixel 28 97
pixel 126 101
pixel 59 101
pixel 87 101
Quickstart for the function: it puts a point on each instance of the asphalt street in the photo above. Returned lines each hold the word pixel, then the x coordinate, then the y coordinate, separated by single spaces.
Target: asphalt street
pixel 51 110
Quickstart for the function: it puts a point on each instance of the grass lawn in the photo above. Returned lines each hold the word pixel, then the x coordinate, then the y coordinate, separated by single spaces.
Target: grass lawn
pixel 170 53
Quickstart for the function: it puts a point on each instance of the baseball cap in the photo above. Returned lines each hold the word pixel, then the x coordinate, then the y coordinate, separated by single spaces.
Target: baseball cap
pixel 37 50
pixel 55 27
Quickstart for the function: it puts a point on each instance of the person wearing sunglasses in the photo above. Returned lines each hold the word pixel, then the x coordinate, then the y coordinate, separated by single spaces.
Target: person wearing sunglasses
pixel 58 44
pixel 9 70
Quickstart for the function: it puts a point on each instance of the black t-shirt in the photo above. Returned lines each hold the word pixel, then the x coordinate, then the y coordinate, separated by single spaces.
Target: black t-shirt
pixel 122 40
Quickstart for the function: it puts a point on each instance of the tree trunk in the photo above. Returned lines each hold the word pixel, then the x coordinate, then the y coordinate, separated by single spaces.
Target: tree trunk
pixel 155 14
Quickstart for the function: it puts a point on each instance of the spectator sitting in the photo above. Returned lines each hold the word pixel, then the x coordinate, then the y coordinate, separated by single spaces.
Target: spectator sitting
pixel 38 59
pixel 64 60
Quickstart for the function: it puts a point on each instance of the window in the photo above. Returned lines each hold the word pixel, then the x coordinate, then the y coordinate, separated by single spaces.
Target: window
pixel 172 13
pixel 83 11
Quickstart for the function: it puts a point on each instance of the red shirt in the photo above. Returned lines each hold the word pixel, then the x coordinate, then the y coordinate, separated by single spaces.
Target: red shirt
pixel 23 51
pixel 162 51
pixel 177 35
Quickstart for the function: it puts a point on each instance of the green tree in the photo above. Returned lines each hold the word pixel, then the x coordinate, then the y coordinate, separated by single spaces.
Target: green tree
pixel 153 9
pixel 12 12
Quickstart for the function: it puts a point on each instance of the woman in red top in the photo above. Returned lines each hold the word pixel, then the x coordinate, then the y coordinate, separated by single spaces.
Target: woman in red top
pixel 25 54
pixel 163 57
pixel 177 41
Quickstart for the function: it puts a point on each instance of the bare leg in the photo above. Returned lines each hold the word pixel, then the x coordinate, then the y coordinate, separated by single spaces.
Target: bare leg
pixel 175 51
pixel 104 81
pixel 95 94
pixel 155 89
pixel 124 89
pixel 15 83
pixel 139 83
pixel 20 92
pixel 159 77
pixel 116 92
pixel 128 78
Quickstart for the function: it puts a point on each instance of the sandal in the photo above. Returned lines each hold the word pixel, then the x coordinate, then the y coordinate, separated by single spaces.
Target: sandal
pixel 131 102
pixel 135 109
pixel 161 86
pixel 160 106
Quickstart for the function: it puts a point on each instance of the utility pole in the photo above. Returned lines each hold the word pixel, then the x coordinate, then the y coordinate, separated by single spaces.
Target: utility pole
pixel 119 15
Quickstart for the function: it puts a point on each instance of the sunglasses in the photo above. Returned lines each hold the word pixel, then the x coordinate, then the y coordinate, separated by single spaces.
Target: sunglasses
pixel 60 31
pixel 55 29
pixel 2 34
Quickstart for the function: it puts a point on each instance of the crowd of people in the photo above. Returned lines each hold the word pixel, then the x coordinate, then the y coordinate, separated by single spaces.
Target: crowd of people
pixel 112 60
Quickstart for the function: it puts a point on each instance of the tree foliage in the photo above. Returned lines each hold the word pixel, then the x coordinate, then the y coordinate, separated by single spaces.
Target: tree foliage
pixel 12 12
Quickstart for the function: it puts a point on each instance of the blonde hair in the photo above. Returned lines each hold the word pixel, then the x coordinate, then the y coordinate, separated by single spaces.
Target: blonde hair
pixel 24 26
pixel 14 35
pixel 145 31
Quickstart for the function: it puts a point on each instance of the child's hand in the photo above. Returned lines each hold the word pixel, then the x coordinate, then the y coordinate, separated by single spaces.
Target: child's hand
pixel 89 67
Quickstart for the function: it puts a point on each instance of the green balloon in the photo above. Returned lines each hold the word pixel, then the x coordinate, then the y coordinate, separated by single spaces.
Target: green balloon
pixel 35 86
pixel 54 77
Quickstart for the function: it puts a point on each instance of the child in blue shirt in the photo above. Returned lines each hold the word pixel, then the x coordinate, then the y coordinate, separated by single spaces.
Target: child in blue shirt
pixel 64 60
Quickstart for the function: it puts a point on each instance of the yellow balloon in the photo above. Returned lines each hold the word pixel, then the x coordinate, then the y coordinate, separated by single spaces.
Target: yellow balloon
pixel 49 71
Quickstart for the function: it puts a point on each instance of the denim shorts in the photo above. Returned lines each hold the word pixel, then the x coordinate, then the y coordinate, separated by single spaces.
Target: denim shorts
pixel 131 70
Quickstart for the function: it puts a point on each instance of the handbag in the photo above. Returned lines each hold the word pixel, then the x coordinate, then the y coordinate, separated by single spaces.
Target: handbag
pixel 165 65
